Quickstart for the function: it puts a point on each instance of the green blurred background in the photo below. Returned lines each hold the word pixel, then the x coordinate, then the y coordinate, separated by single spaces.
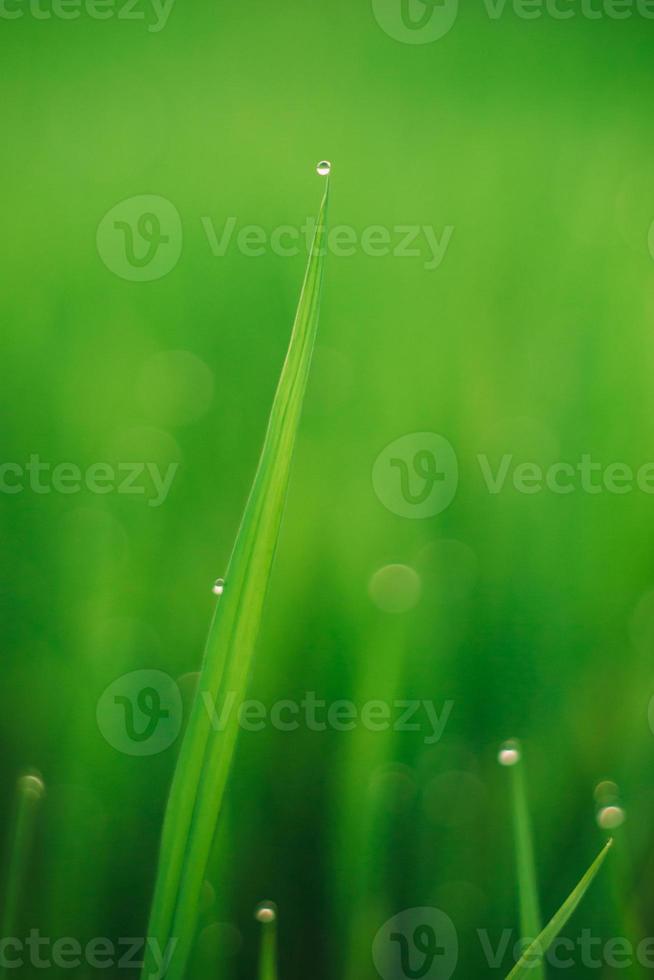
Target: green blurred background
pixel 533 140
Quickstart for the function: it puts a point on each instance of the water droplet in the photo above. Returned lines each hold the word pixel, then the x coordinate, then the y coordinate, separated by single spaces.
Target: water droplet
pixel 610 817
pixel 509 753
pixel 32 786
pixel 324 168
pixel 266 912
pixel 219 586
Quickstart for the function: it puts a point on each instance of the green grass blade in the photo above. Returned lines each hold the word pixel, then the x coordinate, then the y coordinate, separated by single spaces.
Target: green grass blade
pixel 29 793
pixel 539 947
pixel 206 755
pixel 531 924
pixel 267 916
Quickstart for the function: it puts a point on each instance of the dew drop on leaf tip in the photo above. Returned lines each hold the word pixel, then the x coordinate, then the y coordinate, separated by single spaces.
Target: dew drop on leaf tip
pixel 509 753
pixel 265 913
pixel 611 817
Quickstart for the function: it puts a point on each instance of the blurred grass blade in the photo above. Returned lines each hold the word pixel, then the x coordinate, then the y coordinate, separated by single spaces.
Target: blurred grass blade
pixel 267 916
pixel 206 754
pixel 29 793
pixel 525 965
pixel 531 924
